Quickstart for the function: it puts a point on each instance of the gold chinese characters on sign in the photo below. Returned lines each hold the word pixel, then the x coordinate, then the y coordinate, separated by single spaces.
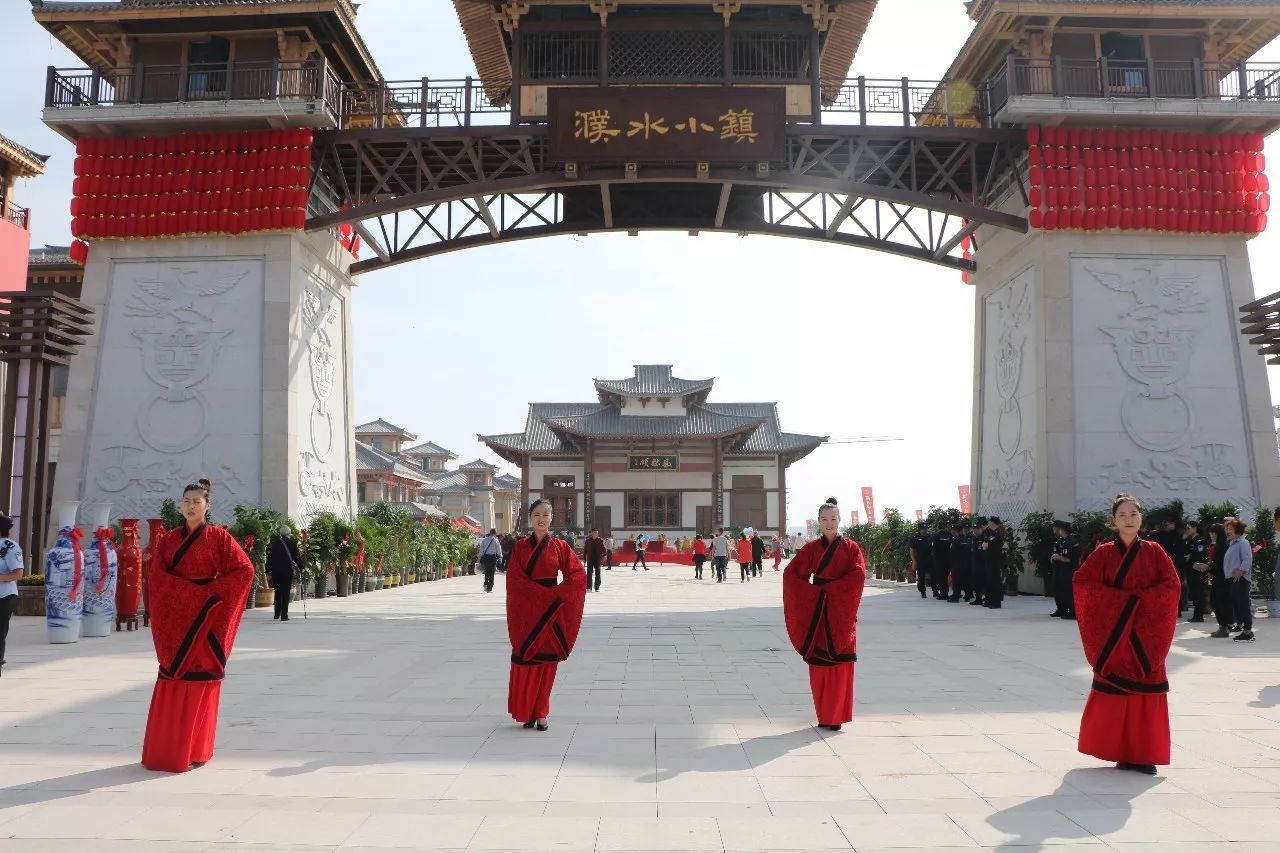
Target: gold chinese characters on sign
pixel 662 124
pixel 653 462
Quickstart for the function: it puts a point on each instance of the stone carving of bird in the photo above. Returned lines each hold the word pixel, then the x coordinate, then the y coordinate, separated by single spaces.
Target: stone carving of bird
pixel 1155 292
pixel 179 295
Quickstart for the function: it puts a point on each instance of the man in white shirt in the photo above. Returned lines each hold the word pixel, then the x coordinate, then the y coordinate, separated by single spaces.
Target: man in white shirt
pixel 490 554
pixel 720 553
pixel 10 571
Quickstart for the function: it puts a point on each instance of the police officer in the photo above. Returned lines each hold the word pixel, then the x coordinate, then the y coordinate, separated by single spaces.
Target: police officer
pixel 1197 545
pixel 992 546
pixel 942 544
pixel 1175 546
pixel 922 556
pixel 10 570
pixel 1065 559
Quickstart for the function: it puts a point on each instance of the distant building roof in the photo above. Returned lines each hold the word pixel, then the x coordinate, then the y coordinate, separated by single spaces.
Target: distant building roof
pixel 652 380
pixel 372 459
pixel 429 448
pixel 450 481
pixel 478 465
pixel 381 427
pixel 28 163
pixel 506 481
pixel 49 256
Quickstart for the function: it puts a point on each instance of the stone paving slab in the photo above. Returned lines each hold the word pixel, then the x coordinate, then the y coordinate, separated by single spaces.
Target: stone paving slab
pixel 683 722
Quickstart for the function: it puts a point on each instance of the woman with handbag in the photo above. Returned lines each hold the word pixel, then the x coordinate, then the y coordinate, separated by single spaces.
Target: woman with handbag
pixel 284 565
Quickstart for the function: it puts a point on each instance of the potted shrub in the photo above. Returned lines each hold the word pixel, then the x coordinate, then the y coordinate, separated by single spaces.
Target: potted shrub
pixel 253 528
pixel 30 596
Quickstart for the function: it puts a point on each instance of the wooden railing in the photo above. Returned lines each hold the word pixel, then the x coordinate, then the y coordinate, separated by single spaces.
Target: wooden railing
pixel 1192 79
pixel 20 216
pixel 146 83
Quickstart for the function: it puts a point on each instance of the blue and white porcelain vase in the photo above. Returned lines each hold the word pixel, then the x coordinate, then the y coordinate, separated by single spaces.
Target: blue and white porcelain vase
pixel 100 573
pixel 64 577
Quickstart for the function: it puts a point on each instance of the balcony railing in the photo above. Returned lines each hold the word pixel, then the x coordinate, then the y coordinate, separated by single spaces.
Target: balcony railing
pixel 1150 78
pixel 20 216
pixel 145 83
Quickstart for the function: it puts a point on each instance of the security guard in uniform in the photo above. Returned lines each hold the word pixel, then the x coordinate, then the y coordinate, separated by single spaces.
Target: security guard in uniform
pixel 942 544
pixel 962 547
pixel 1198 567
pixel 922 556
pixel 1065 559
pixel 991 544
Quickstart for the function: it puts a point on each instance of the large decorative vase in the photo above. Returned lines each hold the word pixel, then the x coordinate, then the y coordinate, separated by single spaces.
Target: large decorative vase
pixel 129 575
pixel 155 529
pixel 64 577
pixel 100 571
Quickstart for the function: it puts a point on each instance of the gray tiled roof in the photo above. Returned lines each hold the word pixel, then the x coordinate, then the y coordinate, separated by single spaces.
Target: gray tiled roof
pixel 36 161
pixel 428 448
pixel 371 459
pixel 381 427
pixel 654 380
pixel 420 510
pixel 769 438
pixel 608 421
pixel 451 481
pixel 478 465
pixel 506 481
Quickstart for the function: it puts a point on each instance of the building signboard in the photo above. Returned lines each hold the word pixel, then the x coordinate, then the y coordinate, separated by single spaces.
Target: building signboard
pixel 653 462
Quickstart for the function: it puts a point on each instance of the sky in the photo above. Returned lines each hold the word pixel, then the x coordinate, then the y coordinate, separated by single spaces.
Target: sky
pixel 848 342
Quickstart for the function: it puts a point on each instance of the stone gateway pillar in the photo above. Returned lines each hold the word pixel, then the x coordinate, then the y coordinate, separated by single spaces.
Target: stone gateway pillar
pixel 222 355
pixel 1110 361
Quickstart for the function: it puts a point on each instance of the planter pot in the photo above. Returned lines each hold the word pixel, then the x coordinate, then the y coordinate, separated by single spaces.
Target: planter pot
pixel 30 601
pixel 343 583
pixel 359 583
pixel 264 597
pixel 321 583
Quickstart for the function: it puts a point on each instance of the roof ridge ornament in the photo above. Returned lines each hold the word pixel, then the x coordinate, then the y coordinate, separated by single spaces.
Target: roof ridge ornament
pixel 727 8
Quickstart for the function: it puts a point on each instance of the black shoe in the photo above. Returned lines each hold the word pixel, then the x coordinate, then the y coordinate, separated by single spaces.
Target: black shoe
pixel 992 606
pixel 834 728
pixel 1070 617
pixel 1236 626
pixel 542 725
pixel 922 595
pixel 1221 633
pixel 1244 637
pixel 1196 619
pixel 275 617
pixel 977 602
pixel 529 724
pixel 1057 614
pixel 284 618
pixel 1148 769
pixel 968 597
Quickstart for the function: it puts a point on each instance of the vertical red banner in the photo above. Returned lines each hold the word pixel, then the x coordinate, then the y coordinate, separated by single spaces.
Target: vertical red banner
pixel 853 514
pixel 869 504
pixel 919 515
pixel 964 500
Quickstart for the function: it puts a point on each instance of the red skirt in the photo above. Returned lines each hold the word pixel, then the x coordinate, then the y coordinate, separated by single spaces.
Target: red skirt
pixel 1133 729
pixel 529 691
pixel 181 724
pixel 832 688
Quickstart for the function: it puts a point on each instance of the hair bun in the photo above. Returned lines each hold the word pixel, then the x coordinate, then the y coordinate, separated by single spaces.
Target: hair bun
pixel 204 481
pixel 833 501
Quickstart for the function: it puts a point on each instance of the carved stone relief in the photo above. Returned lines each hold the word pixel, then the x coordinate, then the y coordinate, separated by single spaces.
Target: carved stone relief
pixel 179 387
pixel 1159 399
pixel 323 473
pixel 1008 463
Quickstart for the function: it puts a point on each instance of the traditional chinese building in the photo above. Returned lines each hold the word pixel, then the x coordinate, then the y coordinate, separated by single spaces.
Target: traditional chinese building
pixel 653 455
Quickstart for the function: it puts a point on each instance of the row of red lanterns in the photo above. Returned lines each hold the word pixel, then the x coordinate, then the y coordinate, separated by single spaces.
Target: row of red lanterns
pixel 1175 179
pixel 1149 197
pixel 1147 158
pixel 189 224
pixel 1082 137
pixel 285 176
pixel 236 200
pixel 198 161
pixel 1113 218
pixel 253 140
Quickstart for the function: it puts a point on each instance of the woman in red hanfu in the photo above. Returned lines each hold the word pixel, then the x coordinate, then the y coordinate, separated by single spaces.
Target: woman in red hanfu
pixel 544 615
pixel 1126 597
pixel 821 593
pixel 197 586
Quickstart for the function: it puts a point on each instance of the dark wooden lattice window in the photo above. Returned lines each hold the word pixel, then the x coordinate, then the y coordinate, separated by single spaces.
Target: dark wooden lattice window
pixel 770 56
pixel 648 510
pixel 561 56
pixel 666 55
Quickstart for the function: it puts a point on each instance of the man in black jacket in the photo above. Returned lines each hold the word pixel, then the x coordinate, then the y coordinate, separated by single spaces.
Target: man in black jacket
pixel 1176 547
pixel 1065 559
pixel 757 554
pixel 943 542
pixel 962 548
pixel 284 565
pixel 922 557
pixel 992 545
pixel 594 551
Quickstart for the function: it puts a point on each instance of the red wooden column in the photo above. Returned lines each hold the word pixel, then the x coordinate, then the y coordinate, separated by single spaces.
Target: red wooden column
pixel 782 495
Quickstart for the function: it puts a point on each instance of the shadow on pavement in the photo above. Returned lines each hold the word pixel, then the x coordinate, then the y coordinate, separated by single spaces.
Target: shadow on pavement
pixel 1038 825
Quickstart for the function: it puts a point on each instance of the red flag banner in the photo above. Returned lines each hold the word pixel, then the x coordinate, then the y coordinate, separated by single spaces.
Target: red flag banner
pixel 964 499
pixel 869 504
pixel 853 513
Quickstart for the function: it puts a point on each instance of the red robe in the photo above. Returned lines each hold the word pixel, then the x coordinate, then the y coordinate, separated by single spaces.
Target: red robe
pixel 197 586
pixel 543 620
pixel 821 593
pixel 1127 609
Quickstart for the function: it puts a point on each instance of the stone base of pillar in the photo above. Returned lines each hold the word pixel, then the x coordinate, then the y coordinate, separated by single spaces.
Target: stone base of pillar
pixel 223 356
pixel 1113 362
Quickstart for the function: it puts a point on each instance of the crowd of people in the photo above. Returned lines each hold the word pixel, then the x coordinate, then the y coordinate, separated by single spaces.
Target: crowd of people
pixel 964 560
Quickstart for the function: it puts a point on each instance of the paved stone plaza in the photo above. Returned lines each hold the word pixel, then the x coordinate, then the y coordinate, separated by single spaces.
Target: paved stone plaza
pixel 682 722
